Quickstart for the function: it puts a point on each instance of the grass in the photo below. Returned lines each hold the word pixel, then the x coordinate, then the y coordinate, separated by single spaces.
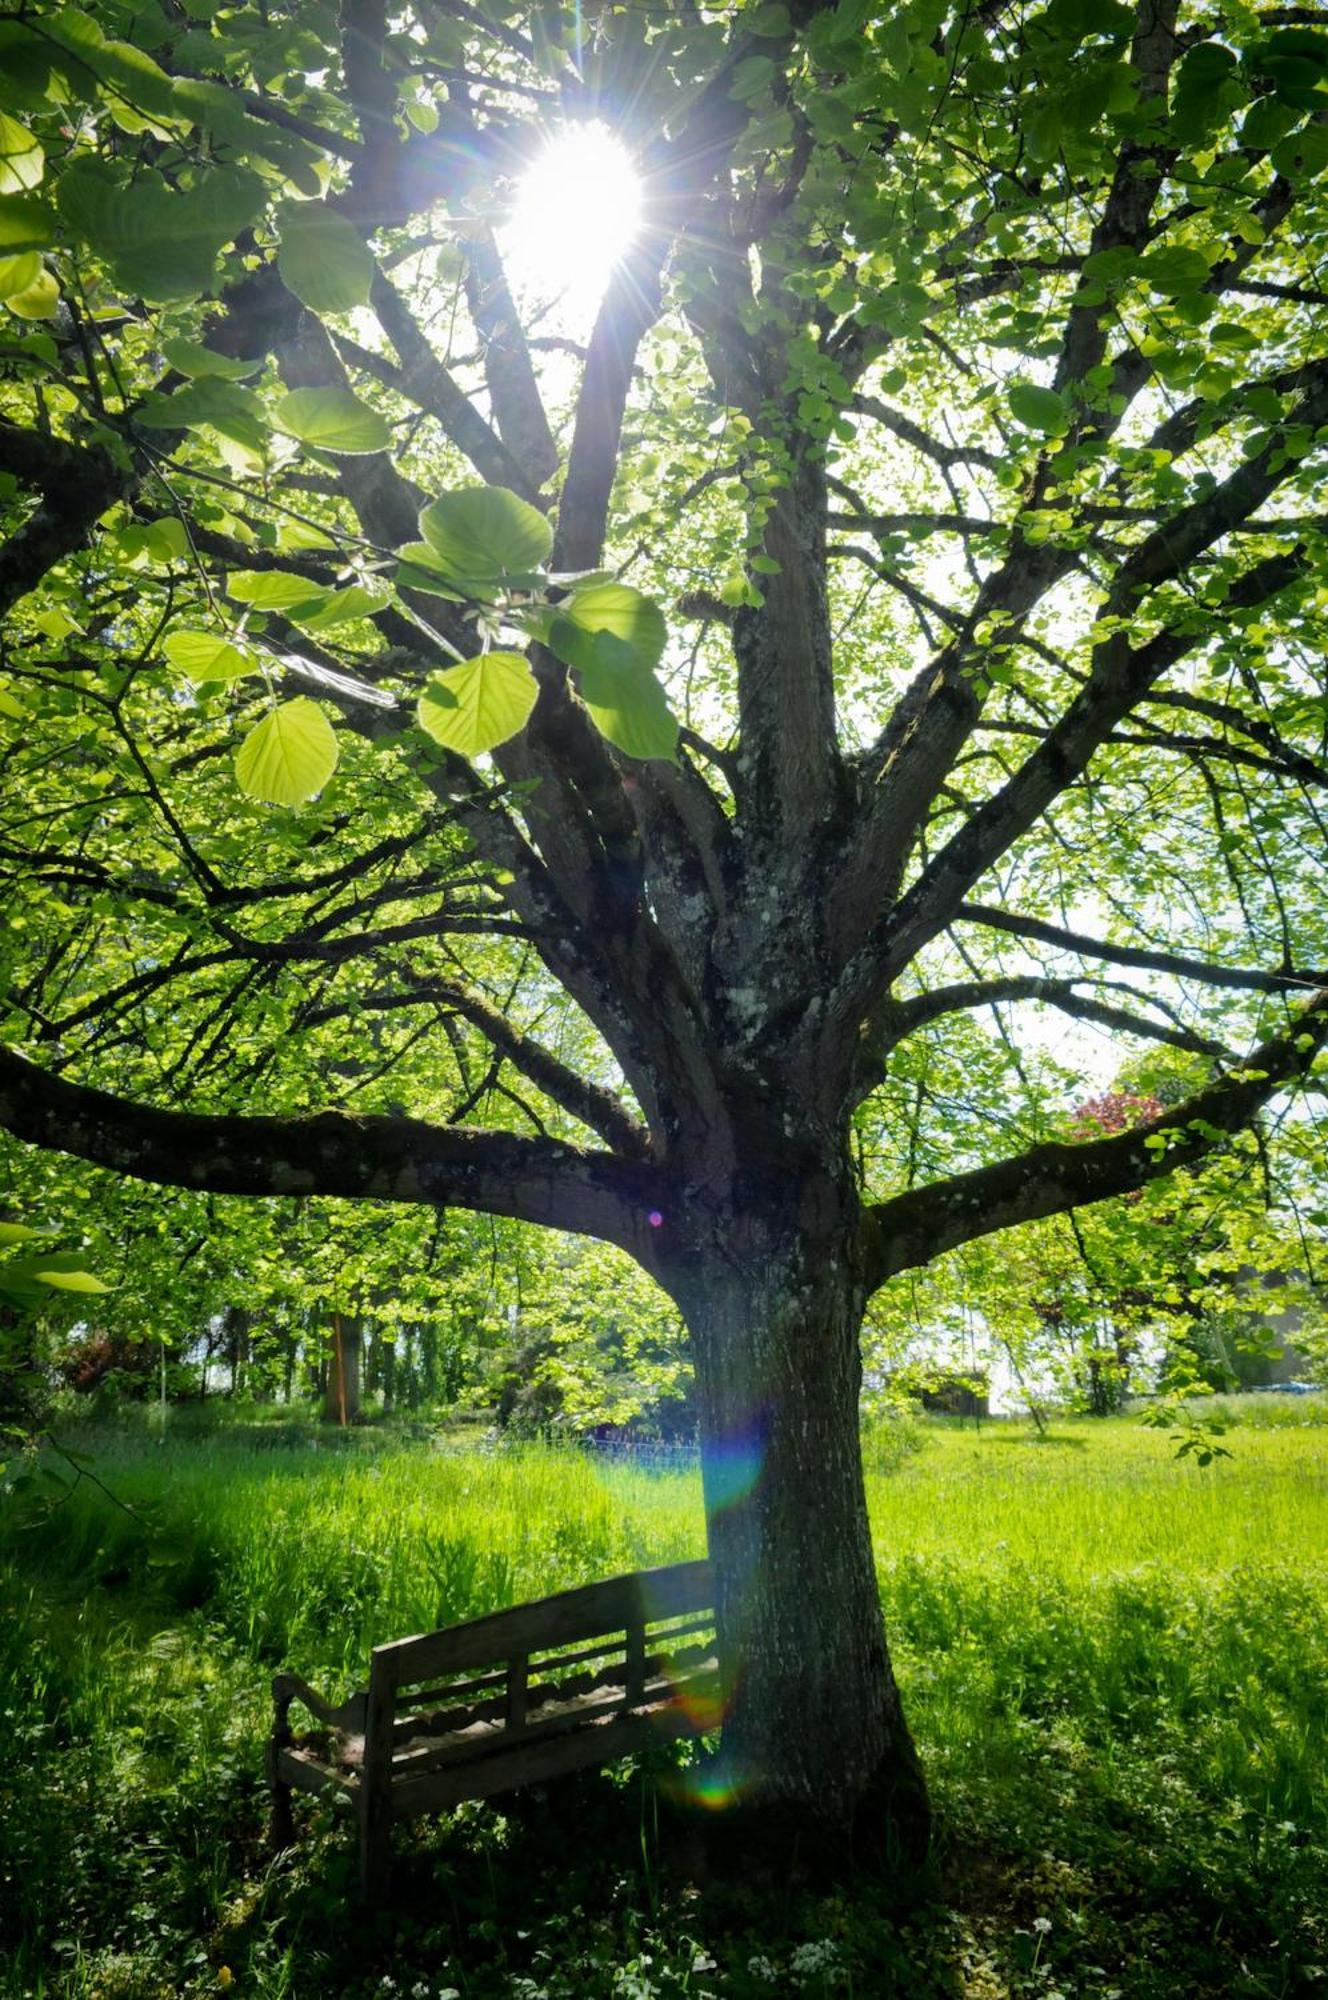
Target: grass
pixel 1116 1666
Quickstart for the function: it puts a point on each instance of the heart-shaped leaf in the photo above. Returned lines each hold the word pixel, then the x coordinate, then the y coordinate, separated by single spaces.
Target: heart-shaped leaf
pixel 323 258
pixel 479 704
pixel 332 420
pixel 204 656
pixel 608 607
pixel 627 703
pixel 289 757
pixel 481 536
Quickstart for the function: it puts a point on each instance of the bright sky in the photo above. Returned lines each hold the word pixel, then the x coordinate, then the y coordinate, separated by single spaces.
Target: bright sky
pixel 576 212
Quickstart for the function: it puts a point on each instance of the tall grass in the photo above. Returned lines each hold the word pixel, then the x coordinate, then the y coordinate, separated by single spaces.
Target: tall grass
pixel 1117 1668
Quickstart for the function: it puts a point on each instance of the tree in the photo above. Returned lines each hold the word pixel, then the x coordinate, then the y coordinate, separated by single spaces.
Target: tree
pixel 963 390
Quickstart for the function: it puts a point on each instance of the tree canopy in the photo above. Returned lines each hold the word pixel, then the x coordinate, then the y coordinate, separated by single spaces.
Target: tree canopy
pixel 588 774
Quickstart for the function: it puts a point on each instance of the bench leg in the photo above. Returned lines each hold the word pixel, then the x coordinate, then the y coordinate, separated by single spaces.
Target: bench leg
pixel 375 1849
pixel 281 1824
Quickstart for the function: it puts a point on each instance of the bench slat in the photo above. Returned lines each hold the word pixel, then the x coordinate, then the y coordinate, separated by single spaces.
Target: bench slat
pixel 529 1763
pixel 447 1721
pixel 692 1691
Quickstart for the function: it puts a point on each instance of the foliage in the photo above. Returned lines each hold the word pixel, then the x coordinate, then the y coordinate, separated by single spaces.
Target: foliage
pixel 659 779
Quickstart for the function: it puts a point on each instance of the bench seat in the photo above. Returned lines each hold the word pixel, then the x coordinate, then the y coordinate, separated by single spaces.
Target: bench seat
pixel 569 1682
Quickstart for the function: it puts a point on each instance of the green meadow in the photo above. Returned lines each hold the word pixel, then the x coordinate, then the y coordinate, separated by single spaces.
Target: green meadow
pixel 1116 1665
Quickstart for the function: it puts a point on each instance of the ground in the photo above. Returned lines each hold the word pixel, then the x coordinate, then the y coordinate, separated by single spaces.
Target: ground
pixel 1116 1666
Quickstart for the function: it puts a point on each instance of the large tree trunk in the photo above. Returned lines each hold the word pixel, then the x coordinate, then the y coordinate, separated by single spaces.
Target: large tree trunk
pixel 815 1753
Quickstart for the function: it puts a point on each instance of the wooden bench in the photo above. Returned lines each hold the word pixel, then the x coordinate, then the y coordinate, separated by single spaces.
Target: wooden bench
pixel 520 1696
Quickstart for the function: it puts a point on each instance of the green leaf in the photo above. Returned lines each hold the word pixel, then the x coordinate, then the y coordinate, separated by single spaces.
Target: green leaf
pixel 17 274
pixel 634 619
pixel 39 300
pixel 627 703
pixel 69 1280
pixel 752 75
pixel 479 704
pixel 17 1232
pixel 22 161
pixel 338 607
pixel 482 535
pixel 62 1270
pixel 158 240
pixel 275 590
pixel 1295 62
pixel 26 223
pixel 1174 271
pixel 289 756
pixel 1303 156
pixel 191 357
pixel 416 571
pixel 206 657
pixel 211 404
pixel 323 258
pixel 332 420
pixel 1039 409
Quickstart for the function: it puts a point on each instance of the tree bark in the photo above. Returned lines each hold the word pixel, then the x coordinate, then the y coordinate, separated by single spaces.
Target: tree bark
pixel 817 1767
pixel 341 1403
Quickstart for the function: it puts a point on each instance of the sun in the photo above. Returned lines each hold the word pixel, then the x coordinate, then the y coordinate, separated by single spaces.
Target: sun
pixel 576 213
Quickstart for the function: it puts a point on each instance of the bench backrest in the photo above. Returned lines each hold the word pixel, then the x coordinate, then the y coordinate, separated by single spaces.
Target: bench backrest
pixel 591 1611
pixel 618 1643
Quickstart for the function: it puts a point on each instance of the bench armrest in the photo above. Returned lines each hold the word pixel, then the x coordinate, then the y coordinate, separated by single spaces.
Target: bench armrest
pixel 287 1688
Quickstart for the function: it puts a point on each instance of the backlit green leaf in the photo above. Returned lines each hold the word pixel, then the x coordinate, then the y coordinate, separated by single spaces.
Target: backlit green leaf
pixel 332 420
pixel 205 656
pixel 289 757
pixel 479 704
pixel 608 607
pixel 275 590
pixel 18 273
pixel 323 258
pixel 22 161
pixel 191 357
pixel 482 534
pixel 627 703
pixel 39 300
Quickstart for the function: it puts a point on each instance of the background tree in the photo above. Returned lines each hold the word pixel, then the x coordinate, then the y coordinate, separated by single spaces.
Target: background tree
pixel 962 389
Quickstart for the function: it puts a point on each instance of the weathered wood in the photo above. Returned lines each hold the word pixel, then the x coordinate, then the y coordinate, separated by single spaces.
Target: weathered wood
pixel 376 1787
pixel 584 1613
pixel 450 1691
pixel 517 1672
pixel 698 1688
pixel 601 1742
pixel 286 1688
pixel 636 1665
pixel 394 1757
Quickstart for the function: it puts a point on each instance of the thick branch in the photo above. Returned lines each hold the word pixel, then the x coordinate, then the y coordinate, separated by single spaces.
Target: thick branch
pixel 913 1228
pixel 375 1158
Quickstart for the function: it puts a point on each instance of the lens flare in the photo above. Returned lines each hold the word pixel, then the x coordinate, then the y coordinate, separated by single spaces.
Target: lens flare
pixel 732 1470
pixel 576 213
